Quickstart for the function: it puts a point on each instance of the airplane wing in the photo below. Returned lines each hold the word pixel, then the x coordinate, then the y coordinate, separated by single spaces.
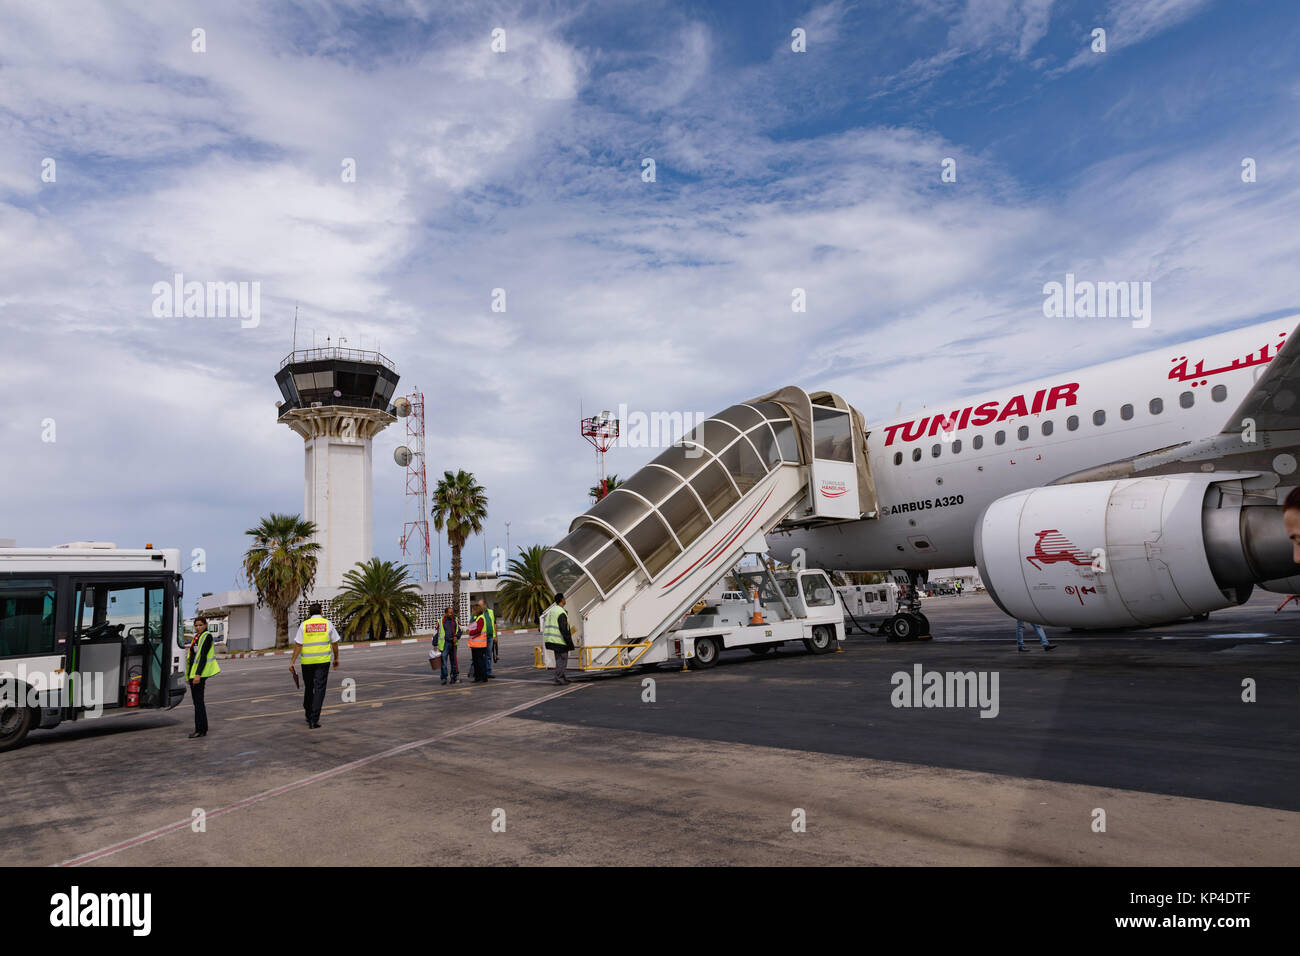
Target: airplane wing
pixel 1262 435
pixel 1271 405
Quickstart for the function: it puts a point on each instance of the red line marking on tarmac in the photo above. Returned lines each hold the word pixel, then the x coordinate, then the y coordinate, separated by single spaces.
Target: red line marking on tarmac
pixel 305 781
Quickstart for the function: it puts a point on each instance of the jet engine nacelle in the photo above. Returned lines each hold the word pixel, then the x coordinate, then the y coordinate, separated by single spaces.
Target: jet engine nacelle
pixel 1137 551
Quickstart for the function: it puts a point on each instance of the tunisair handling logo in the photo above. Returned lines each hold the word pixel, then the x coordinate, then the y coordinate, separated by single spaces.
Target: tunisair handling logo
pixel 1043 400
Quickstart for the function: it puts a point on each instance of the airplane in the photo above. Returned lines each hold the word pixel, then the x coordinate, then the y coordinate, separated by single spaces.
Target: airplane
pixel 1135 492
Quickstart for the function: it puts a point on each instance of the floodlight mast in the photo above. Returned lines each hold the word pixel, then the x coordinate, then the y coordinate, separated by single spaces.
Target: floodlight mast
pixel 602 431
pixel 415 527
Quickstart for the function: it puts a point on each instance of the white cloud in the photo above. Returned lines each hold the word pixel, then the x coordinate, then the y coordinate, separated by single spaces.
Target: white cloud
pixel 477 172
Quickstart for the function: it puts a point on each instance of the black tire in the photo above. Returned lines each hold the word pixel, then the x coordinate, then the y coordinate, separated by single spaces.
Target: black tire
pixel 706 652
pixel 823 640
pixel 901 627
pixel 15 721
pixel 922 626
pixel 759 650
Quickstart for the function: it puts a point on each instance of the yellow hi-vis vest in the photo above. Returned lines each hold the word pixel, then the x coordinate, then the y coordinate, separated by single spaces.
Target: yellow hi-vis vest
pixel 316 641
pixel 210 667
pixel 442 634
pixel 551 625
pixel 491 623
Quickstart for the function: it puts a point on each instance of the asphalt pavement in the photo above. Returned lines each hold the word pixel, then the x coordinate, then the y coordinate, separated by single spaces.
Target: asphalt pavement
pixel 787 758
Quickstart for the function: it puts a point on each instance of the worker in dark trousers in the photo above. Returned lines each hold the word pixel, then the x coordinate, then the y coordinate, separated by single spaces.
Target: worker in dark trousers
pixel 316 641
pixel 200 664
pixel 448 635
pixel 490 622
pixel 478 647
pixel 557 637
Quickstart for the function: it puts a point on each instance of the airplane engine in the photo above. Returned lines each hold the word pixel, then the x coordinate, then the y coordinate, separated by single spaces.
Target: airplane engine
pixel 1136 551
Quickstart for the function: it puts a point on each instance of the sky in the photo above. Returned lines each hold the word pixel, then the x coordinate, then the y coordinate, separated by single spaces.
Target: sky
pixel 133 149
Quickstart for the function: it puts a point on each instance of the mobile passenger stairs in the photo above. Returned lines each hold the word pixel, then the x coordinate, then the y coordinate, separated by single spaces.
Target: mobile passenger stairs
pixel 633 566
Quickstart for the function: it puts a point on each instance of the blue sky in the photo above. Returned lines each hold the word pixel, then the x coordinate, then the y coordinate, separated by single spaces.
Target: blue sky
pixel 522 170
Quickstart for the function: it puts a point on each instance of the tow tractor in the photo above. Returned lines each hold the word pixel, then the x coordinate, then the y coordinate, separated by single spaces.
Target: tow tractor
pixel 891 610
pixel 786 606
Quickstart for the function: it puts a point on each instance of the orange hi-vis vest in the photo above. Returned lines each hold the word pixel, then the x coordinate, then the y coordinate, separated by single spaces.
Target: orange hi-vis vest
pixel 482 639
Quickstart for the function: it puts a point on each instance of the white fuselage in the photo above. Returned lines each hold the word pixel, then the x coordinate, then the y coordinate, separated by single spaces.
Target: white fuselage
pixel 933 482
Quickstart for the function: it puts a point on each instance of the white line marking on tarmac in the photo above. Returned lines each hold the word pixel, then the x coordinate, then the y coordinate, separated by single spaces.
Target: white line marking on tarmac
pixel 314 778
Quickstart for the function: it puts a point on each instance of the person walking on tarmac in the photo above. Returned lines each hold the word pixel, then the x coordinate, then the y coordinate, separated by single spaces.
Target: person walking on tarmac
pixel 448 635
pixel 201 663
pixel 1042 636
pixel 557 637
pixel 316 640
pixel 478 646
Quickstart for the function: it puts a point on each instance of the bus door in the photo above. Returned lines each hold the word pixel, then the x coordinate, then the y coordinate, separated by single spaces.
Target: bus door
pixel 122 631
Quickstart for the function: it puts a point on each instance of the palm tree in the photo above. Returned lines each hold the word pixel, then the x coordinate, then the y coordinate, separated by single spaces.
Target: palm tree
pixel 595 493
pixel 459 506
pixel 281 565
pixel 524 593
pixel 377 598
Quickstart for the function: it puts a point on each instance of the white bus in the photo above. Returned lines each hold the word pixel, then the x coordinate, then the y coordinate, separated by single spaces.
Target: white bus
pixel 86 628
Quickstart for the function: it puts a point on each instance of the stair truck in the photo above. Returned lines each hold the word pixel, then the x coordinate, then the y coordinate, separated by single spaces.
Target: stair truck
pixel 635 564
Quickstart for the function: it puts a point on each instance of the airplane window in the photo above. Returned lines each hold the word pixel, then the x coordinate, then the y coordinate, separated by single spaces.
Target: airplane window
pixel 1099 417
pixel 916 454
pixel 1157 406
pixel 1126 412
pixel 977 442
pixel 1186 399
pixel 1047 428
pixel 1022 432
pixel 1000 438
pixel 1219 393
pixel 1072 422
pixel 935 449
pixel 898 458
pixel 956 447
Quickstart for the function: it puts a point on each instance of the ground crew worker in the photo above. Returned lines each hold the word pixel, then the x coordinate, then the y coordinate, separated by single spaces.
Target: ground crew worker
pixel 490 617
pixel 448 635
pixel 478 645
pixel 557 637
pixel 317 638
pixel 201 663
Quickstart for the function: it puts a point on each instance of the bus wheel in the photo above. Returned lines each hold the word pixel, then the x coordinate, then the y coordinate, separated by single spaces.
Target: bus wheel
pixel 823 640
pixel 901 627
pixel 759 650
pixel 15 721
pixel 706 652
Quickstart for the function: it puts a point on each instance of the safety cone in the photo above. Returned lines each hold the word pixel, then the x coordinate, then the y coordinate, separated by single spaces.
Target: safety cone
pixel 758 608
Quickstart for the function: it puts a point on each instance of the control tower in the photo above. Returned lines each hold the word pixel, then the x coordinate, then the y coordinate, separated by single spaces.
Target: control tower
pixel 337 399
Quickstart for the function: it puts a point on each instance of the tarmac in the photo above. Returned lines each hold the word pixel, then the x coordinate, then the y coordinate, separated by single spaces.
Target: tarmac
pixel 787 759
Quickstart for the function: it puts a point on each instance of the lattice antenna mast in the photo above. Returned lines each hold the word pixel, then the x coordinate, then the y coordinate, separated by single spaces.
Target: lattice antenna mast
pixel 602 431
pixel 415 512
